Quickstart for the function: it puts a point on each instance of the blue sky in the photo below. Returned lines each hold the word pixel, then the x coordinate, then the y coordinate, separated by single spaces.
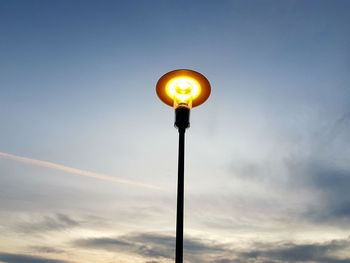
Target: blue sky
pixel 267 157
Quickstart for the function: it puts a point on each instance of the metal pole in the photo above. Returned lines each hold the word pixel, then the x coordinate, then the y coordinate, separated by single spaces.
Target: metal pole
pixel 180 199
pixel 182 122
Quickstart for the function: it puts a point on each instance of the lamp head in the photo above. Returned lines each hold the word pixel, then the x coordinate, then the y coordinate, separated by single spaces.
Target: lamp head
pixel 183 88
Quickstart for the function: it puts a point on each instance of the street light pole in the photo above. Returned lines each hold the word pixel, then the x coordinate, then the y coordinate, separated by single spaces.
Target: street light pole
pixel 182 116
pixel 182 89
pixel 180 199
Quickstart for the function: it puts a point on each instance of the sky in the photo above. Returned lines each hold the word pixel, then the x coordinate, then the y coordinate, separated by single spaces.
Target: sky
pixel 88 153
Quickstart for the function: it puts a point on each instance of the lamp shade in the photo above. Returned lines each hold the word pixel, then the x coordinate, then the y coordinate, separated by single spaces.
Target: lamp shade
pixel 183 87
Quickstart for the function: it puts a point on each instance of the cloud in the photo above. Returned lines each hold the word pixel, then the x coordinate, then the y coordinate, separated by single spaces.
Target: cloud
pixel 46 250
pixel 329 185
pixel 159 246
pixel 54 222
pixel 75 171
pixel 22 258
pixel 152 246
pixel 341 124
pixel 313 177
pixel 289 252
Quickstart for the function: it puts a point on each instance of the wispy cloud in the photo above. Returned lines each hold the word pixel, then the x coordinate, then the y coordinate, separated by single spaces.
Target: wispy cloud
pixel 54 222
pixel 154 246
pixel 290 252
pixel 75 171
pixel 22 258
pixel 161 247
pixel 46 250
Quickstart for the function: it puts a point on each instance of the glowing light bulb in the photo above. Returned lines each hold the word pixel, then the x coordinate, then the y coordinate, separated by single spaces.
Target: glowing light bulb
pixel 182 90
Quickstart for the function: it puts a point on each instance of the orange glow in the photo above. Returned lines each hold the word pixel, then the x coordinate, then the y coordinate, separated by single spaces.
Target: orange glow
pixel 183 87
pixel 183 90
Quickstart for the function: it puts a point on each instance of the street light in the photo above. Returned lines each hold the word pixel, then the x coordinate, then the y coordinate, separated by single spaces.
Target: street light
pixel 182 89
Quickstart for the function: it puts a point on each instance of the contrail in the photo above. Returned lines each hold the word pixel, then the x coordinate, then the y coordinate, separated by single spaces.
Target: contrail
pixel 74 171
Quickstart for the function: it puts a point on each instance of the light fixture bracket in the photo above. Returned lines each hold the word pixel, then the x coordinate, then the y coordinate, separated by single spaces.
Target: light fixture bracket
pixel 182 118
